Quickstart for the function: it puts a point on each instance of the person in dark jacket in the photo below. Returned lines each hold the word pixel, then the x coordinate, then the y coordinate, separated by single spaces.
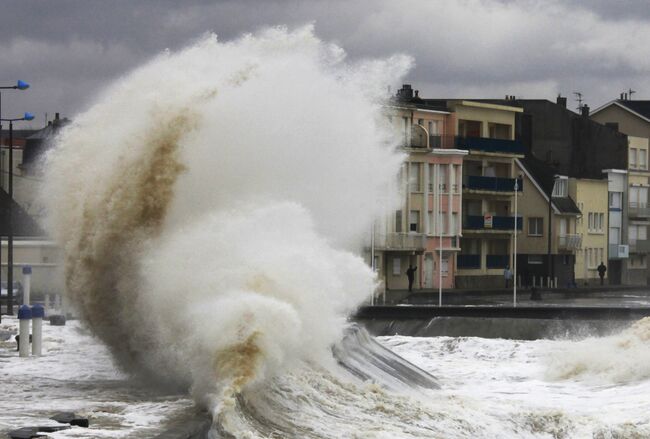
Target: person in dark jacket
pixel 410 273
pixel 601 272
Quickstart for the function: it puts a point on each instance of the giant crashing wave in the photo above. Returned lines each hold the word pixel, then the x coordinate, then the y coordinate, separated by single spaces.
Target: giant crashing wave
pixel 210 205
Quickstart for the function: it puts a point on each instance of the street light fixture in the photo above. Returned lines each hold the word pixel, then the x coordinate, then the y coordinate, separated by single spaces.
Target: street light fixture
pixel 20 85
pixel 10 238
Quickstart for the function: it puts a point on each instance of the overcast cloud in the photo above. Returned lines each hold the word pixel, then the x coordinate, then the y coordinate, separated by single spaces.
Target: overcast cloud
pixel 68 50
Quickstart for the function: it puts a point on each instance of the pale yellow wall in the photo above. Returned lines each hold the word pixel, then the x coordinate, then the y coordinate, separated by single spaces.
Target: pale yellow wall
pixel 636 144
pixel 591 196
pixel 628 123
pixel 485 115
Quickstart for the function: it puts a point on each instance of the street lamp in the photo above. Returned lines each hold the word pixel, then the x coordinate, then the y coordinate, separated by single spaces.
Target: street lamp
pixel 10 239
pixel 20 85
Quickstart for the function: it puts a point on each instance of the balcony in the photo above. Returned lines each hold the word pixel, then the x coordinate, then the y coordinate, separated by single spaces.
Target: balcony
pixel 497 261
pixel 639 246
pixel 618 251
pixel 401 241
pixel 495 184
pixel 569 242
pixel 490 145
pixel 471 222
pixel 468 261
pixel 638 210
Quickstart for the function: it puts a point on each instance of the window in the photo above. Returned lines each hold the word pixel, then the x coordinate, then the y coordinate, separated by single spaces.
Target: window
pixel 601 225
pixel 615 200
pixel 445 266
pixel 453 227
pixel 431 223
pixel 433 128
pixel 638 196
pixel 535 260
pixel 560 189
pixel 591 221
pixel 443 177
pixel 398 221
pixel 405 128
pixel 637 233
pixel 632 157
pixel 414 220
pixel 397 266
pixel 643 156
pixel 614 235
pixel 414 177
pixel 535 226
pixel 421 122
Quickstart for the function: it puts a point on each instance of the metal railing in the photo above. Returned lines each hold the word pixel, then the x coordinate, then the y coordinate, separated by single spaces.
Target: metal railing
pixel 639 245
pixel 490 145
pixel 472 222
pixel 638 210
pixel 569 242
pixel 401 241
pixel 468 261
pixel 497 184
pixel 497 261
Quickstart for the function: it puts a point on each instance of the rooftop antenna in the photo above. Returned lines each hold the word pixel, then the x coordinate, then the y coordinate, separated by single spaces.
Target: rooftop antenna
pixel 630 92
pixel 578 96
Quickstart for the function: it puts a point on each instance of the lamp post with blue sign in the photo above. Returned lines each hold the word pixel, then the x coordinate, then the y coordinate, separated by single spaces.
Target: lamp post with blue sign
pixel 19 85
pixel 10 235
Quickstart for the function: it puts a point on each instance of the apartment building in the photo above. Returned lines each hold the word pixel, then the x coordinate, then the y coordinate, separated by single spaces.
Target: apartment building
pixel 591 196
pixel 547 245
pixel 428 220
pixel 632 118
pixel 489 186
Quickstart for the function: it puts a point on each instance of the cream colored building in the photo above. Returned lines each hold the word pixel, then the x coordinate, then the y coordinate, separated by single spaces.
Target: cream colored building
pixel 591 196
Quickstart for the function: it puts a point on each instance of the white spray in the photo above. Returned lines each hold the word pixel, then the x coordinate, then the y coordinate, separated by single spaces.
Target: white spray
pixel 204 201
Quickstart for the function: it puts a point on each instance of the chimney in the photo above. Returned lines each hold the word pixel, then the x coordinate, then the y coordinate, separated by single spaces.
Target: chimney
pixel 406 92
pixel 584 110
pixel 561 101
pixel 56 116
pixel 621 96
pixel 417 92
pixel 625 96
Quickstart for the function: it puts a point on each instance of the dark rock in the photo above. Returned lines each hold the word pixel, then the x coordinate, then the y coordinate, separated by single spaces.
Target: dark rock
pixel 70 418
pixel 57 320
pixel 26 433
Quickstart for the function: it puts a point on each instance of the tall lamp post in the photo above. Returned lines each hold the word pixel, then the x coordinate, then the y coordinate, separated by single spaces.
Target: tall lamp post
pixel 20 85
pixel 10 238
pixel 514 256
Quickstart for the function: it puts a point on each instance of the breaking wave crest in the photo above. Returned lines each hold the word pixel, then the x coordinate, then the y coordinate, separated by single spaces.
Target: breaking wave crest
pixel 620 358
pixel 209 204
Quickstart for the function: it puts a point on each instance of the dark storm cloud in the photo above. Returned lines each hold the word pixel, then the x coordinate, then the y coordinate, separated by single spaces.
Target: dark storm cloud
pixel 69 50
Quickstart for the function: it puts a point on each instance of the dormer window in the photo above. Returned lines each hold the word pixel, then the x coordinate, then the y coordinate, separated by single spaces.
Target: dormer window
pixel 561 186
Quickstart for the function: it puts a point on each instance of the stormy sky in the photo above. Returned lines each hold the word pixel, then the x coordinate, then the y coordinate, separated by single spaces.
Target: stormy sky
pixel 68 50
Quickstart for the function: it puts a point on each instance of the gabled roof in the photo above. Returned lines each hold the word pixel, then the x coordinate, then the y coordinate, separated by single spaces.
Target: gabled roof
pixel 23 224
pixel 640 109
pixel 543 178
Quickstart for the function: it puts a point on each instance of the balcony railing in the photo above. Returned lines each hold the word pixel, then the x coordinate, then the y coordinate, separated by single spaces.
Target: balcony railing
pixel 569 242
pixel 490 145
pixel 401 241
pixel 639 210
pixel 618 251
pixel 639 245
pixel 496 184
pixel 471 222
pixel 468 261
pixel 497 261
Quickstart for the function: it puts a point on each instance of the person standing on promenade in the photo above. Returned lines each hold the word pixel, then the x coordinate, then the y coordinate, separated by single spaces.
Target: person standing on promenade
pixel 602 269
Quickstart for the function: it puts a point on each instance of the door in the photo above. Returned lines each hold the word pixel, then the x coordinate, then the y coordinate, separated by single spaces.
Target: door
pixel 563 227
pixel 428 271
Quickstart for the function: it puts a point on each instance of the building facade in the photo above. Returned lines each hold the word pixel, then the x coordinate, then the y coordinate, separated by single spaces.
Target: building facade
pixel 428 220
pixel 633 119
pixel 591 196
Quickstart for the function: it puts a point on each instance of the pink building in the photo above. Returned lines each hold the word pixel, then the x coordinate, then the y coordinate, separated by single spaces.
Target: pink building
pixel 430 216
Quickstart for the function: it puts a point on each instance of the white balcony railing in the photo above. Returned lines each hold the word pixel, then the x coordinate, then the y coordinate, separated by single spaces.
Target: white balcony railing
pixel 401 241
pixel 570 242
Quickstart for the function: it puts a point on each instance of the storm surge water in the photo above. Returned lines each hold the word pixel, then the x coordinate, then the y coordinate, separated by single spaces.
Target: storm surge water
pixel 210 202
